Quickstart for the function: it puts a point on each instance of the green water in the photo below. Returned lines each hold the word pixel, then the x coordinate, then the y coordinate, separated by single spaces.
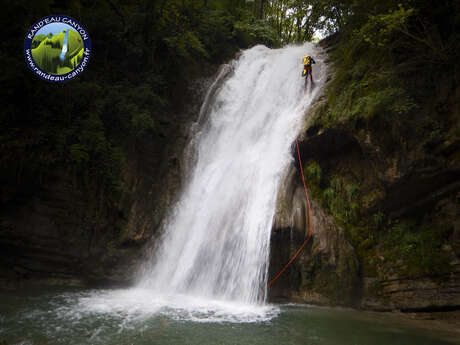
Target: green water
pixel 123 318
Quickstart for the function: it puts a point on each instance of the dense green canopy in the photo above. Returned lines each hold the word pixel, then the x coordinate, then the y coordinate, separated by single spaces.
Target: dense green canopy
pixel 145 53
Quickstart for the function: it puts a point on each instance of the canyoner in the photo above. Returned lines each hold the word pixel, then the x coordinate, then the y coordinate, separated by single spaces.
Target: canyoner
pixel 307 69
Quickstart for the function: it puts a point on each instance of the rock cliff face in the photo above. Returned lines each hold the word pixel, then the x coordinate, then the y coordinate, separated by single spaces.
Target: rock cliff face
pixel 386 211
pixel 386 282
pixel 327 271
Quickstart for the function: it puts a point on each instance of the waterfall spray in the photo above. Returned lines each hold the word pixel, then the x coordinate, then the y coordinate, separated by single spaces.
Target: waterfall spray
pixel 215 244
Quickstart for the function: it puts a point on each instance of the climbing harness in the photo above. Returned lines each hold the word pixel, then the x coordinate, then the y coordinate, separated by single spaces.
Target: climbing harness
pixel 308 235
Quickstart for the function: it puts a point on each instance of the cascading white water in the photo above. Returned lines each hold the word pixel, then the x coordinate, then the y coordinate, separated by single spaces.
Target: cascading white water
pixel 211 263
pixel 216 242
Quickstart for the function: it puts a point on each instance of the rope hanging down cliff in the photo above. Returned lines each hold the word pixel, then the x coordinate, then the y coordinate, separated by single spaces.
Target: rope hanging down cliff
pixel 307 234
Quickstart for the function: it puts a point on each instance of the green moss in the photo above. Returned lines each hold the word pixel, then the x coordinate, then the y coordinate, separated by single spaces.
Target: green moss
pixel 365 86
pixel 372 196
pixel 414 250
pixel 417 249
pixel 341 199
pixel 313 173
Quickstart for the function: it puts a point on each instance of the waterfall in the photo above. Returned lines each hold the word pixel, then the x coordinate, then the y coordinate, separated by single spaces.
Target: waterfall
pixel 64 46
pixel 215 243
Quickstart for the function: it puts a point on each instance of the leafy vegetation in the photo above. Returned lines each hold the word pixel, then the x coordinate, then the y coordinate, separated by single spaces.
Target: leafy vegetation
pixel 410 246
pixel 367 85
pixel 417 248
pixel 338 196
pixel 145 54
pixel 386 63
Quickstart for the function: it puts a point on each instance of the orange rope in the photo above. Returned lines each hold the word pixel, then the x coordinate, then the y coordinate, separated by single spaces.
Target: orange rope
pixel 309 221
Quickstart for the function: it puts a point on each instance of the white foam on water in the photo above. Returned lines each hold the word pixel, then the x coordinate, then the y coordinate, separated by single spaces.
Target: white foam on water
pixel 135 306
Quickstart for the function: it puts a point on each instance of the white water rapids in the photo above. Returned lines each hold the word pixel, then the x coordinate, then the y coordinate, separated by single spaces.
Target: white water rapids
pixel 212 260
